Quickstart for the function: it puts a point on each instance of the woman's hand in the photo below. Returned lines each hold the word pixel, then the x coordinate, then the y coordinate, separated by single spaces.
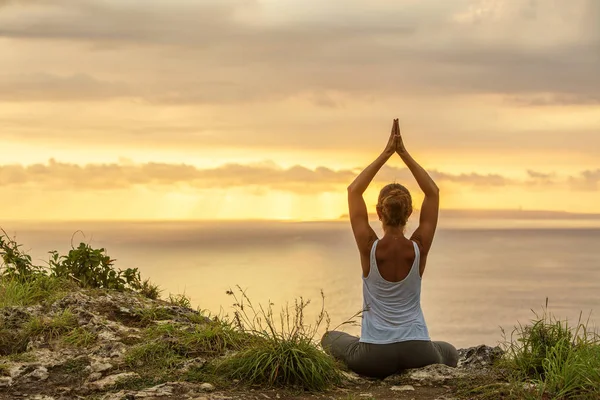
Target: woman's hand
pixel 392 144
pixel 400 149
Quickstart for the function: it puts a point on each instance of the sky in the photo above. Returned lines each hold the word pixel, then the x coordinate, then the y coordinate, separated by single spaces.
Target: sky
pixel 267 109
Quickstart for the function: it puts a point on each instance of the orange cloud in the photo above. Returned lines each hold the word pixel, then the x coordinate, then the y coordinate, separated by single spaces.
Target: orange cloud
pixel 300 179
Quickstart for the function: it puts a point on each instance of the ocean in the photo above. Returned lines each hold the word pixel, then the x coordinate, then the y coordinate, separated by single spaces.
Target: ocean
pixel 481 275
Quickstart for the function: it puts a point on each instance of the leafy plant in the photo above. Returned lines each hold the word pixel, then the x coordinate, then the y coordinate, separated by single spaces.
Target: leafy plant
pixel 17 264
pixel 92 268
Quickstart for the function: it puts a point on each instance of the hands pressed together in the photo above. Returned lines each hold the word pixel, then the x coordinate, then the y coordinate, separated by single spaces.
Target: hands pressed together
pixel 395 143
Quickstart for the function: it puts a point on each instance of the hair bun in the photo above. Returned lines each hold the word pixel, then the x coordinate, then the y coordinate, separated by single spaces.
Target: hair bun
pixel 395 205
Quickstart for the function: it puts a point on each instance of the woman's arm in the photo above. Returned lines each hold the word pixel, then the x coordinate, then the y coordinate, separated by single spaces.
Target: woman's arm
pixel 359 218
pixel 430 208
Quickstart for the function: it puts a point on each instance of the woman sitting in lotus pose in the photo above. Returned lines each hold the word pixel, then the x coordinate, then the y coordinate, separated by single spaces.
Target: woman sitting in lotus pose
pixel 394 335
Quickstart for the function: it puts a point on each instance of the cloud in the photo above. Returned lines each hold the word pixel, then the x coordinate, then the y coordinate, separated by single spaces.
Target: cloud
pixel 67 176
pixel 43 86
pixel 587 180
pixel 246 51
pixel 540 175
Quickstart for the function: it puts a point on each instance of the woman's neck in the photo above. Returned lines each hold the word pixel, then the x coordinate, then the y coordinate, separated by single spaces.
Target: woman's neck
pixel 395 231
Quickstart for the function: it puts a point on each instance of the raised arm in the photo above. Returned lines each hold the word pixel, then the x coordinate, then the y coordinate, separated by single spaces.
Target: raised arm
pixel 359 218
pixel 431 204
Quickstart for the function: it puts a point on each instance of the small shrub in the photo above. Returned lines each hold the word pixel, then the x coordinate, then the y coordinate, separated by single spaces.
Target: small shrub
pixel 180 300
pixel 286 353
pixel 283 363
pixel 17 265
pixel 92 268
pixel 88 267
pixel 561 360
pixel 148 289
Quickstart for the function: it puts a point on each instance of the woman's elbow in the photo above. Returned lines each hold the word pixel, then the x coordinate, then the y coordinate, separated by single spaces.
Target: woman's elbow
pixel 434 191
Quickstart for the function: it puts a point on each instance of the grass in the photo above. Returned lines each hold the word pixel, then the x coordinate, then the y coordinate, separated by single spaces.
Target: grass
pixel 154 355
pixel 20 357
pixel 15 336
pixel 79 337
pixel 165 348
pixel 149 290
pixel 286 353
pixel 15 292
pixel 181 300
pixel 263 353
pixel 296 363
pixel 545 359
pixel 154 313
pixel 52 328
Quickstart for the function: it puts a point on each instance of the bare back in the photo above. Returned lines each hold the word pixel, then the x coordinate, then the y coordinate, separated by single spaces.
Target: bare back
pixel 395 258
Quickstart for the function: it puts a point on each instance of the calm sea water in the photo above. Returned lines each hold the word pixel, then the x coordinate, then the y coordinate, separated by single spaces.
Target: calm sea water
pixel 480 276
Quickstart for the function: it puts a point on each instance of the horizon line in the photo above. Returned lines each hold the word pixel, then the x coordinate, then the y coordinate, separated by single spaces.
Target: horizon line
pixel 468 213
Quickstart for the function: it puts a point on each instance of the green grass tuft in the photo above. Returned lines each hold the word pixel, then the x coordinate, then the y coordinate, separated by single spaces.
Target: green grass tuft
pixel 153 355
pixel 285 353
pixel 181 300
pixel 149 290
pixel 52 328
pixel 560 360
pixel 19 292
pixel 296 363
pixel 154 313
pixel 80 337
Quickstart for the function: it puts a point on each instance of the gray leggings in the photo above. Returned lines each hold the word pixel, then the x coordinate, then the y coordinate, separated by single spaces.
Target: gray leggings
pixel 381 360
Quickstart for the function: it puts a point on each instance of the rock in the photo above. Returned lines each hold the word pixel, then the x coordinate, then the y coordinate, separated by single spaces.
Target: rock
pixel 94 376
pixel 197 362
pixel 40 373
pixel 100 366
pixel 207 387
pixel 477 357
pixel 41 397
pixel 365 395
pixel 434 375
pixel 352 377
pixel 16 370
pixel 5 381
pixel 111 380
pixel 403 388
pixel 162 390
pixel 107 336
pixel 200 398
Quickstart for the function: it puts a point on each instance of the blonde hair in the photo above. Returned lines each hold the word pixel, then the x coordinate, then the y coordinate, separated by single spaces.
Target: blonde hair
pixel 394 205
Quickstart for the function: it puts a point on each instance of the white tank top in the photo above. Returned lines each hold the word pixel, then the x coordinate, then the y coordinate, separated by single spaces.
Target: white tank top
pixel 392 310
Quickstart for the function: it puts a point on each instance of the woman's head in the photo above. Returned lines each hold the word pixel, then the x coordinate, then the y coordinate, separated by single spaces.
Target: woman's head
pixel 394 205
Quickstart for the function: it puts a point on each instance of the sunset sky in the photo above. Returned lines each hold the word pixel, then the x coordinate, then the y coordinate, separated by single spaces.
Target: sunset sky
pixel 237 109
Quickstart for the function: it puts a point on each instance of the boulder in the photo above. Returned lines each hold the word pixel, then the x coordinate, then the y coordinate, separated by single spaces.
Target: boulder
pixel 478 357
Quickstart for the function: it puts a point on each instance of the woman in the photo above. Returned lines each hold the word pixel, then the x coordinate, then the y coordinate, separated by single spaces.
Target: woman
pixel 394 335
